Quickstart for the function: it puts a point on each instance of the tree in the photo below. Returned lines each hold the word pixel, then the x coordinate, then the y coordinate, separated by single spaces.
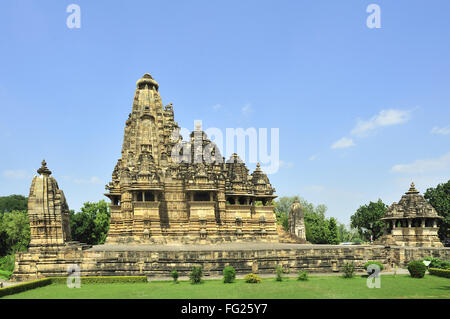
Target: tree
pixel 91 225
pixel 439 198
pixel 367 220
pixel 14 232
pixel 332 232
pixel 13 203
pixel 316 224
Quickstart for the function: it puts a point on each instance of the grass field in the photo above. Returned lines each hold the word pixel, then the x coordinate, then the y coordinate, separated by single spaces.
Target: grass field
pixel 401 286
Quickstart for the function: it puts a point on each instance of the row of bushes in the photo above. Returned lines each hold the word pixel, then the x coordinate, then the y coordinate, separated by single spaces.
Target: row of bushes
pixel 229 275
pixel 439 272
pixel 24 286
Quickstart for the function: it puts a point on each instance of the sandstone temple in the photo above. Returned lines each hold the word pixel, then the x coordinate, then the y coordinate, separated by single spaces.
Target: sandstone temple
pixel 166 190
pixel 411 222
pixel 175 205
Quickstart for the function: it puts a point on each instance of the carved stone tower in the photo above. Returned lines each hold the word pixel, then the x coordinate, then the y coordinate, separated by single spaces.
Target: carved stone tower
pixel 165 189
pixel 47 211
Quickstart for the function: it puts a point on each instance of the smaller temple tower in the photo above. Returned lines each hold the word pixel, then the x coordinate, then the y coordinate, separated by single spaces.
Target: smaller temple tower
pixel 48 212
pixel 296 221
pixel 411 222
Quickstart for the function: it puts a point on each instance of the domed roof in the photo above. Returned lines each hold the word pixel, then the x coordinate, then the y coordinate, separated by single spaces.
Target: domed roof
pixel 411 205
pixel 148 81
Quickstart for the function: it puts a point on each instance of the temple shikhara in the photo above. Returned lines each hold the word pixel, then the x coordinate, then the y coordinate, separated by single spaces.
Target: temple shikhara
pixel 411 222
pixel 177 204
pixel 166 190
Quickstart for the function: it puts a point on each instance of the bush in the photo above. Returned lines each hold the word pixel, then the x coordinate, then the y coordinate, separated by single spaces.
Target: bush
pixel 279 272
pixel 416 269
pixel 437 263
pixel 174 275
pixel 5 275
pixel 371 262
pixel 196 274
pixel 302 275
pixel 229 274
pixel 7 263
pixel 252 279
pixel 439 272
pixel 24 286
pixel 348 269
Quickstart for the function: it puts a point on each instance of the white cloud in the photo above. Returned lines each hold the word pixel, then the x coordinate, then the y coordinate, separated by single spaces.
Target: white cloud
pixel 216 106
pixel 441 130
pixel 384 118
pixel 246 109
pixel 16 174
pixel 424 166
pixel 314 157
pixel 343 143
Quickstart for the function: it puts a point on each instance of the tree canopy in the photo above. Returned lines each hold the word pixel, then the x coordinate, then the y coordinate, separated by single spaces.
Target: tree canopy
pixel 367 220
pixel 13 202
pixel 91 224
pixel 439 198
pixel 319 229
pixel 14 232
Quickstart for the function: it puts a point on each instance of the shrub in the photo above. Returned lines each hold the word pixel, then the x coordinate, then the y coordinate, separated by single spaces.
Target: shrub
pixel 371 262
pixel 5 275
pixel 24 286
pixel 7 263
pixel 196 274
pixel 437 263
pixel 252 279
pixel 439 272
pixel 302 275
pixel 416 269
pixel 174 275
pixel 229 274
pixel 348 269
pixel 279 272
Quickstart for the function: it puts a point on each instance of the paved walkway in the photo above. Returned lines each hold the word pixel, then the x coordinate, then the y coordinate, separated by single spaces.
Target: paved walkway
pixel 220 247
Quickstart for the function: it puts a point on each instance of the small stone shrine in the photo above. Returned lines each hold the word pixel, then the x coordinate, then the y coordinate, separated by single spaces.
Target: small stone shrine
pixel 411 222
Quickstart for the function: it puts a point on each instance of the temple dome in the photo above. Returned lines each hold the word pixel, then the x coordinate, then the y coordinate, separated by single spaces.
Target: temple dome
pixel 147 81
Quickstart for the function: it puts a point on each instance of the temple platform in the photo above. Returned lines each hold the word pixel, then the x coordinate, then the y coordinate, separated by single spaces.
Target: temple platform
pixel 262 258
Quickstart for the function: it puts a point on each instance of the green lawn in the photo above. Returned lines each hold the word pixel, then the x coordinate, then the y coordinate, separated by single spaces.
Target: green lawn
pixel 401 286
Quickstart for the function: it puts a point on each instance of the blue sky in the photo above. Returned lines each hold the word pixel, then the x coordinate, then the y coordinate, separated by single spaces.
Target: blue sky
pixel 361 112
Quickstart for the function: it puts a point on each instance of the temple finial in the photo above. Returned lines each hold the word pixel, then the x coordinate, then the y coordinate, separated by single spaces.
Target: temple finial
pixel 412 189
pixel 44 170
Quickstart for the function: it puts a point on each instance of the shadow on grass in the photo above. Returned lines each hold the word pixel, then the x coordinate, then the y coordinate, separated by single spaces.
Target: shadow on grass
pixel 443 288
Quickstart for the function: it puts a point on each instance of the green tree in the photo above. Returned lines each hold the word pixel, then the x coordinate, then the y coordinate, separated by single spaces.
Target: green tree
pixel 439 198
pixel 91 224
pixel 13 203
pixel 367 220
pixel 14 232
pixel 316 224
pixel 333 238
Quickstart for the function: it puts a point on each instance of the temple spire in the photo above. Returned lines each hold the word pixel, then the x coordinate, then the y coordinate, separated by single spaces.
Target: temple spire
pixel 44 170
pixel 412 189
